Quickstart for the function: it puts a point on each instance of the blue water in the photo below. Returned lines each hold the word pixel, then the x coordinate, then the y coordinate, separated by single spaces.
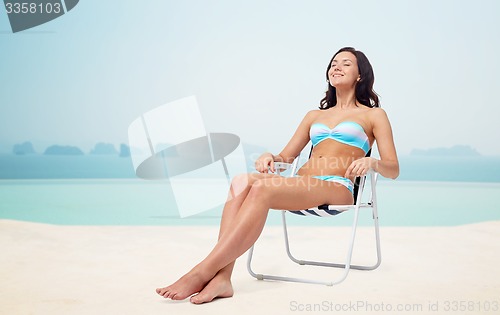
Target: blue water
pixel 103 190
pixel 413 168
pixel 140 202
pixel 36 166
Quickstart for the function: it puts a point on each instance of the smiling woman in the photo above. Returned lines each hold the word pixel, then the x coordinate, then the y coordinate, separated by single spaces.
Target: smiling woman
pixel 351 106
pixel 363 74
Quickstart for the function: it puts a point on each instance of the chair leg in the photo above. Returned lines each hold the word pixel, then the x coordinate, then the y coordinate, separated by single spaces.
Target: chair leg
pixel 280 278
pixel 346 266
pixel 377 239
pixel 338 265
pixel 249 265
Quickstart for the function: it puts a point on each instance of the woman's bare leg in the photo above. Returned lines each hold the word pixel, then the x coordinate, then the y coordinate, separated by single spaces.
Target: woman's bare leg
pixel 246 226
pixel 220 285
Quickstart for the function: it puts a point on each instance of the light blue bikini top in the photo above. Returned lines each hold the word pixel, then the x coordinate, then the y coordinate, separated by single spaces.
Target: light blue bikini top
pixel 348 132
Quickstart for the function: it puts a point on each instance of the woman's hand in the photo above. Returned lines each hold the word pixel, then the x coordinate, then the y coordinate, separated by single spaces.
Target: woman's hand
pixel 361 166
pixel 264 162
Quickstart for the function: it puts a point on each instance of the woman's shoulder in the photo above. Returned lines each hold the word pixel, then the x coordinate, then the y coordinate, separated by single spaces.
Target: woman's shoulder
pixel 377 116
pixel 312 114
pixel 377 113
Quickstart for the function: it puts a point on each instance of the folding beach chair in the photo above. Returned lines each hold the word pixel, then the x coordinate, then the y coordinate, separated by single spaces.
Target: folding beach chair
pixel 325 211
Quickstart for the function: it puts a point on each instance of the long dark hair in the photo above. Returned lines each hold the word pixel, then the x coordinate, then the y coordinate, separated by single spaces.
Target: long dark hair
pixel 364 88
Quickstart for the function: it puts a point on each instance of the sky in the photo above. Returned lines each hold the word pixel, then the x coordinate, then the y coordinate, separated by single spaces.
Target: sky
pixel 256 67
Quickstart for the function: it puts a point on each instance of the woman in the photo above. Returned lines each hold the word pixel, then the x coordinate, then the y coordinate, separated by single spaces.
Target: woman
pixel 342 131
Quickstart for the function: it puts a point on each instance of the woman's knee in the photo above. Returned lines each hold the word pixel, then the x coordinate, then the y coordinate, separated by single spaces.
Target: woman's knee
pixel 260 190
pixel 240 183
pixel 258 182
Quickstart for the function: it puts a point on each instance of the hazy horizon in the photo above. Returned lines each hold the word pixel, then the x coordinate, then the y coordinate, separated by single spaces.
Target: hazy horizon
pixel 255 67
pixel 7 149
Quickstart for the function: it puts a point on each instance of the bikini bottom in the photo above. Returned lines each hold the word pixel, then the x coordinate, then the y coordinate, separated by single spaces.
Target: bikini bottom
pixel 346 182
pixel 325 210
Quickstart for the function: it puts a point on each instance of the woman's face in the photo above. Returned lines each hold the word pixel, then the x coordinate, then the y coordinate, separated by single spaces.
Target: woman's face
pixel 344 70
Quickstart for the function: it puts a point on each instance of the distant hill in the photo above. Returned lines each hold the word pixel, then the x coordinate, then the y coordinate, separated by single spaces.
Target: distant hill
pixel 454 151
pixel 124 150
pixel 104 148
pixel 23 148
pixel 63 150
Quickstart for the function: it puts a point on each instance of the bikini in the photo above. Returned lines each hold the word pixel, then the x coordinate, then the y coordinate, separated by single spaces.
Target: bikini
pixel 347 132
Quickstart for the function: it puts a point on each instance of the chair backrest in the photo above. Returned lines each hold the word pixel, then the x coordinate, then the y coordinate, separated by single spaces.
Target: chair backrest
pixel 356 181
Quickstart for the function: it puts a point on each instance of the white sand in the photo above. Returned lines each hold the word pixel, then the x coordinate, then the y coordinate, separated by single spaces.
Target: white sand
pixel 49 269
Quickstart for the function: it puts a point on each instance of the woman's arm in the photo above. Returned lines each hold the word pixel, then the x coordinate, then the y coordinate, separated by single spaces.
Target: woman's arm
pixel 388 165
pixel 298 141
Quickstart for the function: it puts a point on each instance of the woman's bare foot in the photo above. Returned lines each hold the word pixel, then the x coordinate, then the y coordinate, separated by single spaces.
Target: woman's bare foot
pixel 187 285
pixel 218 287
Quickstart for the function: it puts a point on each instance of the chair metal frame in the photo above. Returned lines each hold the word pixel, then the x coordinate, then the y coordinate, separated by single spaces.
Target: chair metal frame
pixel 371 204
